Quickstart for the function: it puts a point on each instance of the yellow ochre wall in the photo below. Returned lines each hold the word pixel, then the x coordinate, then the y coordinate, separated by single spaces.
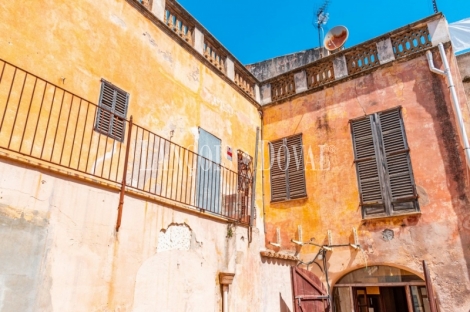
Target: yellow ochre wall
pixel 61 251
pixel 169 88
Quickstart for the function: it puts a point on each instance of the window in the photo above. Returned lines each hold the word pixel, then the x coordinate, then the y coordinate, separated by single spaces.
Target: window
pixel 209 173
pixel 287 169
pixel 245 179
pixel 111 114
pixel 383 166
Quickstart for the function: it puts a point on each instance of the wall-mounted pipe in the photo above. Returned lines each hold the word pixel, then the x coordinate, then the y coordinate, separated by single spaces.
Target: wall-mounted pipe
pixel 253 182
pixel 455 100
pixel 123 184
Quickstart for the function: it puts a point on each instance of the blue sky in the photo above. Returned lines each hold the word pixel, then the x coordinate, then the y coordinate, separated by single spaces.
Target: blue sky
pixel 255 30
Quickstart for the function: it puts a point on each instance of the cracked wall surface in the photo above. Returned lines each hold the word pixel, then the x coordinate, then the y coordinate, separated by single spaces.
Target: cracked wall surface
pixel 438 235
pixel 60 252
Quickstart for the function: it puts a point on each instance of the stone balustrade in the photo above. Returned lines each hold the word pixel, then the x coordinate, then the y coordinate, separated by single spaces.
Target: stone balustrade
pixel 364 57
pixel 178 24
pixel 344 64
pixel 176 18
pixel 146 3
pixel 214 55
pixel 244 81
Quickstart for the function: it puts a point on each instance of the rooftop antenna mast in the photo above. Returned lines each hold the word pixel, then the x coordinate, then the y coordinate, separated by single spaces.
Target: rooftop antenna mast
pixel 434 6
pixel 321 19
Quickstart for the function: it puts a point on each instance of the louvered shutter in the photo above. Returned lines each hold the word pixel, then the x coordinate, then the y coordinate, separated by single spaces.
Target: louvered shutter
pixel 296 169
pixel 112 111
pixel 277 152
pixel 399 173
pixel 104 114
pixel 120 111
pixel 367 166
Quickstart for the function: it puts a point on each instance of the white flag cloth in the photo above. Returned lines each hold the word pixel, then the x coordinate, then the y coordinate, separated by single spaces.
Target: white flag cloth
pixel 460 34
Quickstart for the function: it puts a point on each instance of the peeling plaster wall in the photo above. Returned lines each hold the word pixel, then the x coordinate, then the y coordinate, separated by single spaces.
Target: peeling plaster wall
pixel 76 44
pixel 276 66
pixel 440 235
pixel 59 252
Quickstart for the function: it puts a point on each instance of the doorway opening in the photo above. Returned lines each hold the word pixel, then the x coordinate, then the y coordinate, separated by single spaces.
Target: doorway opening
pixel 381 289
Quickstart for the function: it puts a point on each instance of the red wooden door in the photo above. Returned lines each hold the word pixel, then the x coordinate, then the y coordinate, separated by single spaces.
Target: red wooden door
pixel 309 293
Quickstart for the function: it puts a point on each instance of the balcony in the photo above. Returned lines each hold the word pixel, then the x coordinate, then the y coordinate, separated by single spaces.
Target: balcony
pixel 53 128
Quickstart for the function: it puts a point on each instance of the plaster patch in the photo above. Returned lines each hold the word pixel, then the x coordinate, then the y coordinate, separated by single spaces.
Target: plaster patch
pixel 150 39
pixel 194 74
pixel 388 235
pixel 175 237
pixel 195 132
pixel 118 21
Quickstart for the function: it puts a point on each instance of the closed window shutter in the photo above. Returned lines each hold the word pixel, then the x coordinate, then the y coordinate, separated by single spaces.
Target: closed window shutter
pixel 385 177
pixel 277 153
pixel 296 168
pixel 112 111
pixel 367 166
pixel 120 111
pixel 287 169
pixel 397 158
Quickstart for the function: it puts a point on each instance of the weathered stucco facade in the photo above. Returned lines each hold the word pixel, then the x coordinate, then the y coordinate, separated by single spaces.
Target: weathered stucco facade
pixel 59 248
pixel 438 234
pixel 62 248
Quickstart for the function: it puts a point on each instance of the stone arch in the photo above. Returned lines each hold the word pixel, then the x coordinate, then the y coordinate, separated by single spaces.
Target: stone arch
pixel 371 264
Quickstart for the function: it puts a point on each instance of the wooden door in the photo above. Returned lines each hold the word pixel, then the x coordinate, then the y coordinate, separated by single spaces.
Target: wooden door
pixel 430 290
pixel 309 293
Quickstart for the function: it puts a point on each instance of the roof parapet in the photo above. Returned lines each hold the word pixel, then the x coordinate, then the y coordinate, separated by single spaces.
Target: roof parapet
pixel 398 44
pixel 185 27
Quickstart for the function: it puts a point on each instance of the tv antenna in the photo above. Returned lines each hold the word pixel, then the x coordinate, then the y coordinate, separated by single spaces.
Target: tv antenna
pixel 321 19
pixel 434 6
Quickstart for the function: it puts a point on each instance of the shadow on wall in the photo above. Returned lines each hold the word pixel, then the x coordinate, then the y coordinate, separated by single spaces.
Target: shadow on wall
pixel 449 146
pixel 283 305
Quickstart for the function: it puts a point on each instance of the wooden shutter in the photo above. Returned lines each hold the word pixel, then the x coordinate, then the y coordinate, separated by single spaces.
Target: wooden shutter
pixel 120 111
pixel 367 166
pixel 398 166
pixel 383 165
pixel 105 111
pixel 287 169
pixel 296 168
pixel 277 154
pixel 112 111
pixel 309 293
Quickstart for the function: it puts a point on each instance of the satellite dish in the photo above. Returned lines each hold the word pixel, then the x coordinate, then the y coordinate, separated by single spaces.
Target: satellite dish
pixel 336 38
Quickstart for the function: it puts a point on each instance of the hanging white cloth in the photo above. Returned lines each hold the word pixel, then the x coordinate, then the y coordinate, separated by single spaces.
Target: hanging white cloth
pixel 460 35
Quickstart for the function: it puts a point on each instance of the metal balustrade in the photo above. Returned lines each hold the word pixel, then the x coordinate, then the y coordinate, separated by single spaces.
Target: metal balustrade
pixel 41 120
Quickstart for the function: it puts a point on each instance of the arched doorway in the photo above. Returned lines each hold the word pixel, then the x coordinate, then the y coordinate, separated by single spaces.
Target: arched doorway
pixel 381 288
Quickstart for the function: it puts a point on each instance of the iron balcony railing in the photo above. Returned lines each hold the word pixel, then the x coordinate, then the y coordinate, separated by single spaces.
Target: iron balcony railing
pixel 44 121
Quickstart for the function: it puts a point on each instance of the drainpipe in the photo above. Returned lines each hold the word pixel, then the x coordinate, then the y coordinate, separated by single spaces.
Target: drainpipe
pixel 446 72
pixel 253 185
